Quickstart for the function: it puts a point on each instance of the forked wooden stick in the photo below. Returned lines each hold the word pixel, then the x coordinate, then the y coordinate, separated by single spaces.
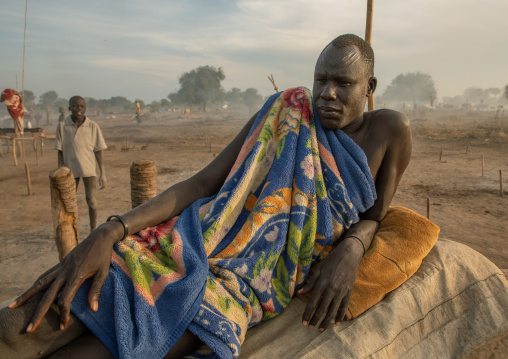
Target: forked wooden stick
pixel 273 83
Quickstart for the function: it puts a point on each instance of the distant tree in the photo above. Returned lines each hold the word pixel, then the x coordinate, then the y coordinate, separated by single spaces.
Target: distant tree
pixel 29 102
pixel 234 96
pixel 92 106
pixel 252 99
pixel 28 99
pixel 48 99
pixel 474 95
pixel 412 86
pixel 506 92
pixel 155 106
pixel 199 86
pixel 165 104
pixel 120 103
pixel 62 102
pixel 493 91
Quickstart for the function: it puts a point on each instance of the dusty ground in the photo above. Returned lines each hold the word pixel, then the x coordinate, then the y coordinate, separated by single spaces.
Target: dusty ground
pixel 467 206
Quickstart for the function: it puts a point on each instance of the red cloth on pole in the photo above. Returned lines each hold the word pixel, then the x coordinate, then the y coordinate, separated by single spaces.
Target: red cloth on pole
pixel 14 102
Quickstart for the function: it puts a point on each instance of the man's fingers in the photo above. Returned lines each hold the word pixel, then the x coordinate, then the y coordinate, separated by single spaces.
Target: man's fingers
pixel 332 312
pixel 344 305
pixel 47 299
pixel 65 299
pixel 43 282
pixel 310 307
pixel 321 310
pixel 96 287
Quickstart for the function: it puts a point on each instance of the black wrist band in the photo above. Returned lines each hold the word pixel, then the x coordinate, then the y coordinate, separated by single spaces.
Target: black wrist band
pixel 122 221
pixel 360 242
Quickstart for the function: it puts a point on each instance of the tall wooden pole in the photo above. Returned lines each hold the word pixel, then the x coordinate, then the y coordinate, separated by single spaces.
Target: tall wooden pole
pixel 23 73
pixel 368 38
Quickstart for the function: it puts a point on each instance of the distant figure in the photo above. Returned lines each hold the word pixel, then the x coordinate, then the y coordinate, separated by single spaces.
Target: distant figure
pixel 62 114
pixel 47 115
pixel 38 118
pixel 80 143
pixel 138 111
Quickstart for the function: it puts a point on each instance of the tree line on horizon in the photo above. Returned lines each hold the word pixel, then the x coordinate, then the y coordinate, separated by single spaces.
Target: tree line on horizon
pixel 201 88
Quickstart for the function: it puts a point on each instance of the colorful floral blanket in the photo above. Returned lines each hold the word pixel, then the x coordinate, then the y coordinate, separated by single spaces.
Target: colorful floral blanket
pixel 234 259
pixel 14 103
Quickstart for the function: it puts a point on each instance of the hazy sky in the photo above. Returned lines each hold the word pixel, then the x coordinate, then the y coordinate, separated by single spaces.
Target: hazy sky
pixel 138 49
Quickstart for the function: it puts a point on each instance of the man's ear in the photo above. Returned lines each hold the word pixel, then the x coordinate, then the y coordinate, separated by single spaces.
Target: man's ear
pixel 372 86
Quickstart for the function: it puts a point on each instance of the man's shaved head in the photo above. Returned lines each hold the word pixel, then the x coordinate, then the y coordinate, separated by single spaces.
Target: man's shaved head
pixel 362 45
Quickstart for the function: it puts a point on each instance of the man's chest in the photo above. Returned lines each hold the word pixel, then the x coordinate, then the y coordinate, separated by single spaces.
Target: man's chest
pixel 374 148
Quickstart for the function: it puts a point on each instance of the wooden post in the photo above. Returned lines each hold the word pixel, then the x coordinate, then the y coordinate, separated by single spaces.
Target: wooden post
pixel 42 144
pixel 428 208
pixel 14 150
pixel 467 149
pixel 37 154
pixel 29 186
pixel 501 182
pixel 64 210
pixel 143 182
pixel 483 166
pixel 23 145
pixel 368 38
pixel 441 156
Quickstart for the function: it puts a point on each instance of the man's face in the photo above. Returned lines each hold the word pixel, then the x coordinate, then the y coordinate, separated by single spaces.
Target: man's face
pixel 78 109
pixel 340 86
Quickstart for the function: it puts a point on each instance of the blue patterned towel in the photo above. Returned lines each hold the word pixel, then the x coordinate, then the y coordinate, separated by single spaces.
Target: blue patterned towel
pixel 234 259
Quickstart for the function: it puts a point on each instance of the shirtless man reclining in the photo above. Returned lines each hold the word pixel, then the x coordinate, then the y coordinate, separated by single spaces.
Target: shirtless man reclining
pixel 37 325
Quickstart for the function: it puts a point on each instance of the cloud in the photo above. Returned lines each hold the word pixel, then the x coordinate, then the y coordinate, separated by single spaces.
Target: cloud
pixel 139 43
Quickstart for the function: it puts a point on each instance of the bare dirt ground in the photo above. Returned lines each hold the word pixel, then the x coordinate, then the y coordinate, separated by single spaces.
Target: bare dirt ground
pixel 446 167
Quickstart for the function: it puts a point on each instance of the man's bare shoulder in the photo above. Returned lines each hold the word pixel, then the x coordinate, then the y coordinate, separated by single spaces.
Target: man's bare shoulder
pixel 389 125
pixel 394 120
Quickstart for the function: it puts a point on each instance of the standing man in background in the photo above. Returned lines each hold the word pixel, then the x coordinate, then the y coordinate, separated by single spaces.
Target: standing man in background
pixel 80 143
pixel 62 114
pixel 138 111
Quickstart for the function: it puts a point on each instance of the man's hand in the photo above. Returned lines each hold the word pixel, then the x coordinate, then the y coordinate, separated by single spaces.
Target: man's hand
pixel 102 179
pixel 332 284
pixel 90 259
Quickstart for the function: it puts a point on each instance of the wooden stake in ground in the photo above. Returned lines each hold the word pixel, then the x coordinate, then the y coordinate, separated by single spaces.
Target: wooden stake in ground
pixel 143 181
pixel 501 182
pixel 483 165
pixel 37 154
pixel 64 210
pixel 14 151
pixel 428 208
pixel 368 38
pixel 441 156
pixel 28 184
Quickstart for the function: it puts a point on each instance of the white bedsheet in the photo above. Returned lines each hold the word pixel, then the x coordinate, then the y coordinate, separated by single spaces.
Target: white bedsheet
pixel 455 302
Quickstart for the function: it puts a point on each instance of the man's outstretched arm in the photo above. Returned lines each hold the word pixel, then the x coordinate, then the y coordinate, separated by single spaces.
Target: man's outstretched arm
pixel 92 257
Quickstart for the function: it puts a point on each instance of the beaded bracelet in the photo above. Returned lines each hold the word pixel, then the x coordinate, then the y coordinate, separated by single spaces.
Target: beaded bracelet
pixel 360 242
pixel 122 221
